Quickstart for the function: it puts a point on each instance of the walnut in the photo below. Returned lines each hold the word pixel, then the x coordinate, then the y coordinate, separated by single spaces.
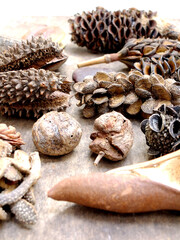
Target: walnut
pixel 56 133
pixel 113 137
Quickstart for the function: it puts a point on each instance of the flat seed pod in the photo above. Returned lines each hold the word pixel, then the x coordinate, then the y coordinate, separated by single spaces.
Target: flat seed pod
pixel 102 76
pixel 12 174
pixel 130 98
pixel 100 100
pixel 143 83
pixel 21 161
pixel 143 93
pixel 116 100
pixel 115 89
pixel 134 108
pixel 148 106
pixel 160 92
pixel 89 111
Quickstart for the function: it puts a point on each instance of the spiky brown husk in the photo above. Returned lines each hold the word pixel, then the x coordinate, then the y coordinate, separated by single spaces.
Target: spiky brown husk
pixel 27 54
pixel 33 92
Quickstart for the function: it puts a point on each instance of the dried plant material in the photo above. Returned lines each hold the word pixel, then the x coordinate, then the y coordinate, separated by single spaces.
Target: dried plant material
pixel 24 212
pixel 143 187
pixel 16 185
pixel 21 161
pixel 36 53
pixel 56 133
pixel 9 134
pixel 113 137
pixel 33 92
pixel 5 148
pixel 162 131
pixel 3 214
pixel 104 31
pixel 163 60
pixel 133 92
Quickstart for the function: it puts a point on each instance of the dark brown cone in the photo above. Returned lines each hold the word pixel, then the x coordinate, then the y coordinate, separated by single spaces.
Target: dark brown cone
pixel 105 31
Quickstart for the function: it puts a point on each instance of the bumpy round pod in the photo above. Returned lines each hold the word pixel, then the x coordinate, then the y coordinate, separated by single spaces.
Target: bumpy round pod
pixel 162 131
pixel 33 92
pixel 37 53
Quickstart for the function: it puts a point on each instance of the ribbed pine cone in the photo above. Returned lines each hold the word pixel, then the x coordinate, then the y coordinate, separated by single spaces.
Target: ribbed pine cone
pixel 9 134
pixel 33 92
pixel 37 53
pixel 105 31
pixel 133 93
pixel 162 131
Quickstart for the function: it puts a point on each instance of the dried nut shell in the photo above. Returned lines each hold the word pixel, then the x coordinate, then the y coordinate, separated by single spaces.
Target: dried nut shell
pixel 131 98
pixel 115 89
pixel 134 108
pixel 143 93
pixel 56 133
pixel 160 92
pixel 116 100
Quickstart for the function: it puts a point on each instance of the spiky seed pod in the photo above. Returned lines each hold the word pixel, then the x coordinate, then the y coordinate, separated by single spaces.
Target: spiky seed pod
pixel 37 53
pixel 162 130
pixel 33 92
pixel 132 92
pixel 148 56
pixel 9 134
pixel 105 31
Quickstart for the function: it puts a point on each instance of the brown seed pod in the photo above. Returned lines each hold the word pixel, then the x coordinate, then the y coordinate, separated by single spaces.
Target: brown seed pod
pixel 131 93
pixel 143 187
pixel 36 53
pixel 104 31
pixel 56 133
pixel 113 137
pixel 33 92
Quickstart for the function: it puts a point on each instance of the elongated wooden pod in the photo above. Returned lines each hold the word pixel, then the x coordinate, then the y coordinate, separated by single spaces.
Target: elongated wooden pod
pixel 149 186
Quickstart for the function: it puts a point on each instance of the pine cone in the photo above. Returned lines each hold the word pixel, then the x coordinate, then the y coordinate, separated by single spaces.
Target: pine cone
pixel 105 31
pixel 162 131
pixel 10 135
pixel 37 53
pixel 33 92
pixel 133 93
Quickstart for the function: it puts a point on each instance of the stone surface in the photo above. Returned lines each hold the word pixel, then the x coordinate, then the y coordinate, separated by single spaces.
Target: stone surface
pixel 68 221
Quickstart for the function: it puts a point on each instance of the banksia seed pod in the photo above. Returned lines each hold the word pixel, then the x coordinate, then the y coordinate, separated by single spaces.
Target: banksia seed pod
pixel 162 130
pixel 134 92
pixel 33 92
pixel 161 56
pixel 37 53
pixel 105 31
pixel 9 134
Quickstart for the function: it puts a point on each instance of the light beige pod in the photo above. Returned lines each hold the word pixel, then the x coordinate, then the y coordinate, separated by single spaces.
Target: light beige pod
pixel 56 133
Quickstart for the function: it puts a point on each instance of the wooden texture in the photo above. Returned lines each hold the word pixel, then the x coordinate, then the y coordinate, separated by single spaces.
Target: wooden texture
pixel 64 220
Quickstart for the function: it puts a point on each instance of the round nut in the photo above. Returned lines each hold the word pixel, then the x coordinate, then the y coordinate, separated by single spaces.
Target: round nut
pixel 56 133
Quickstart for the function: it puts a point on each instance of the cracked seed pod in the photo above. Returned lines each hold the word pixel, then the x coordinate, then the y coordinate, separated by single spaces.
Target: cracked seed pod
pixel 33 92
pixel 9 134
pixel 105 31
pixel 16 180
pixel 113 137
pixel 162 130
pixel 37 53
pixel 133 92
pixel 161 56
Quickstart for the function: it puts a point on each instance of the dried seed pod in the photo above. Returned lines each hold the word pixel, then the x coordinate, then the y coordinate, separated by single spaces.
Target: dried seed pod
pixel 162 131
pixel 13 174
pixel 144 187
pixel 36 53
pixel 56 133
pixel 113 137
pixel 5 148
pixel 32 92
pixel 163 60
pixel 104 31
pixel 10 135
pixel 133 92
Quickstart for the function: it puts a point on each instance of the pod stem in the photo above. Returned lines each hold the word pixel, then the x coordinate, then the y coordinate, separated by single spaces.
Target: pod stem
pixel 107 58
pixel 99 157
